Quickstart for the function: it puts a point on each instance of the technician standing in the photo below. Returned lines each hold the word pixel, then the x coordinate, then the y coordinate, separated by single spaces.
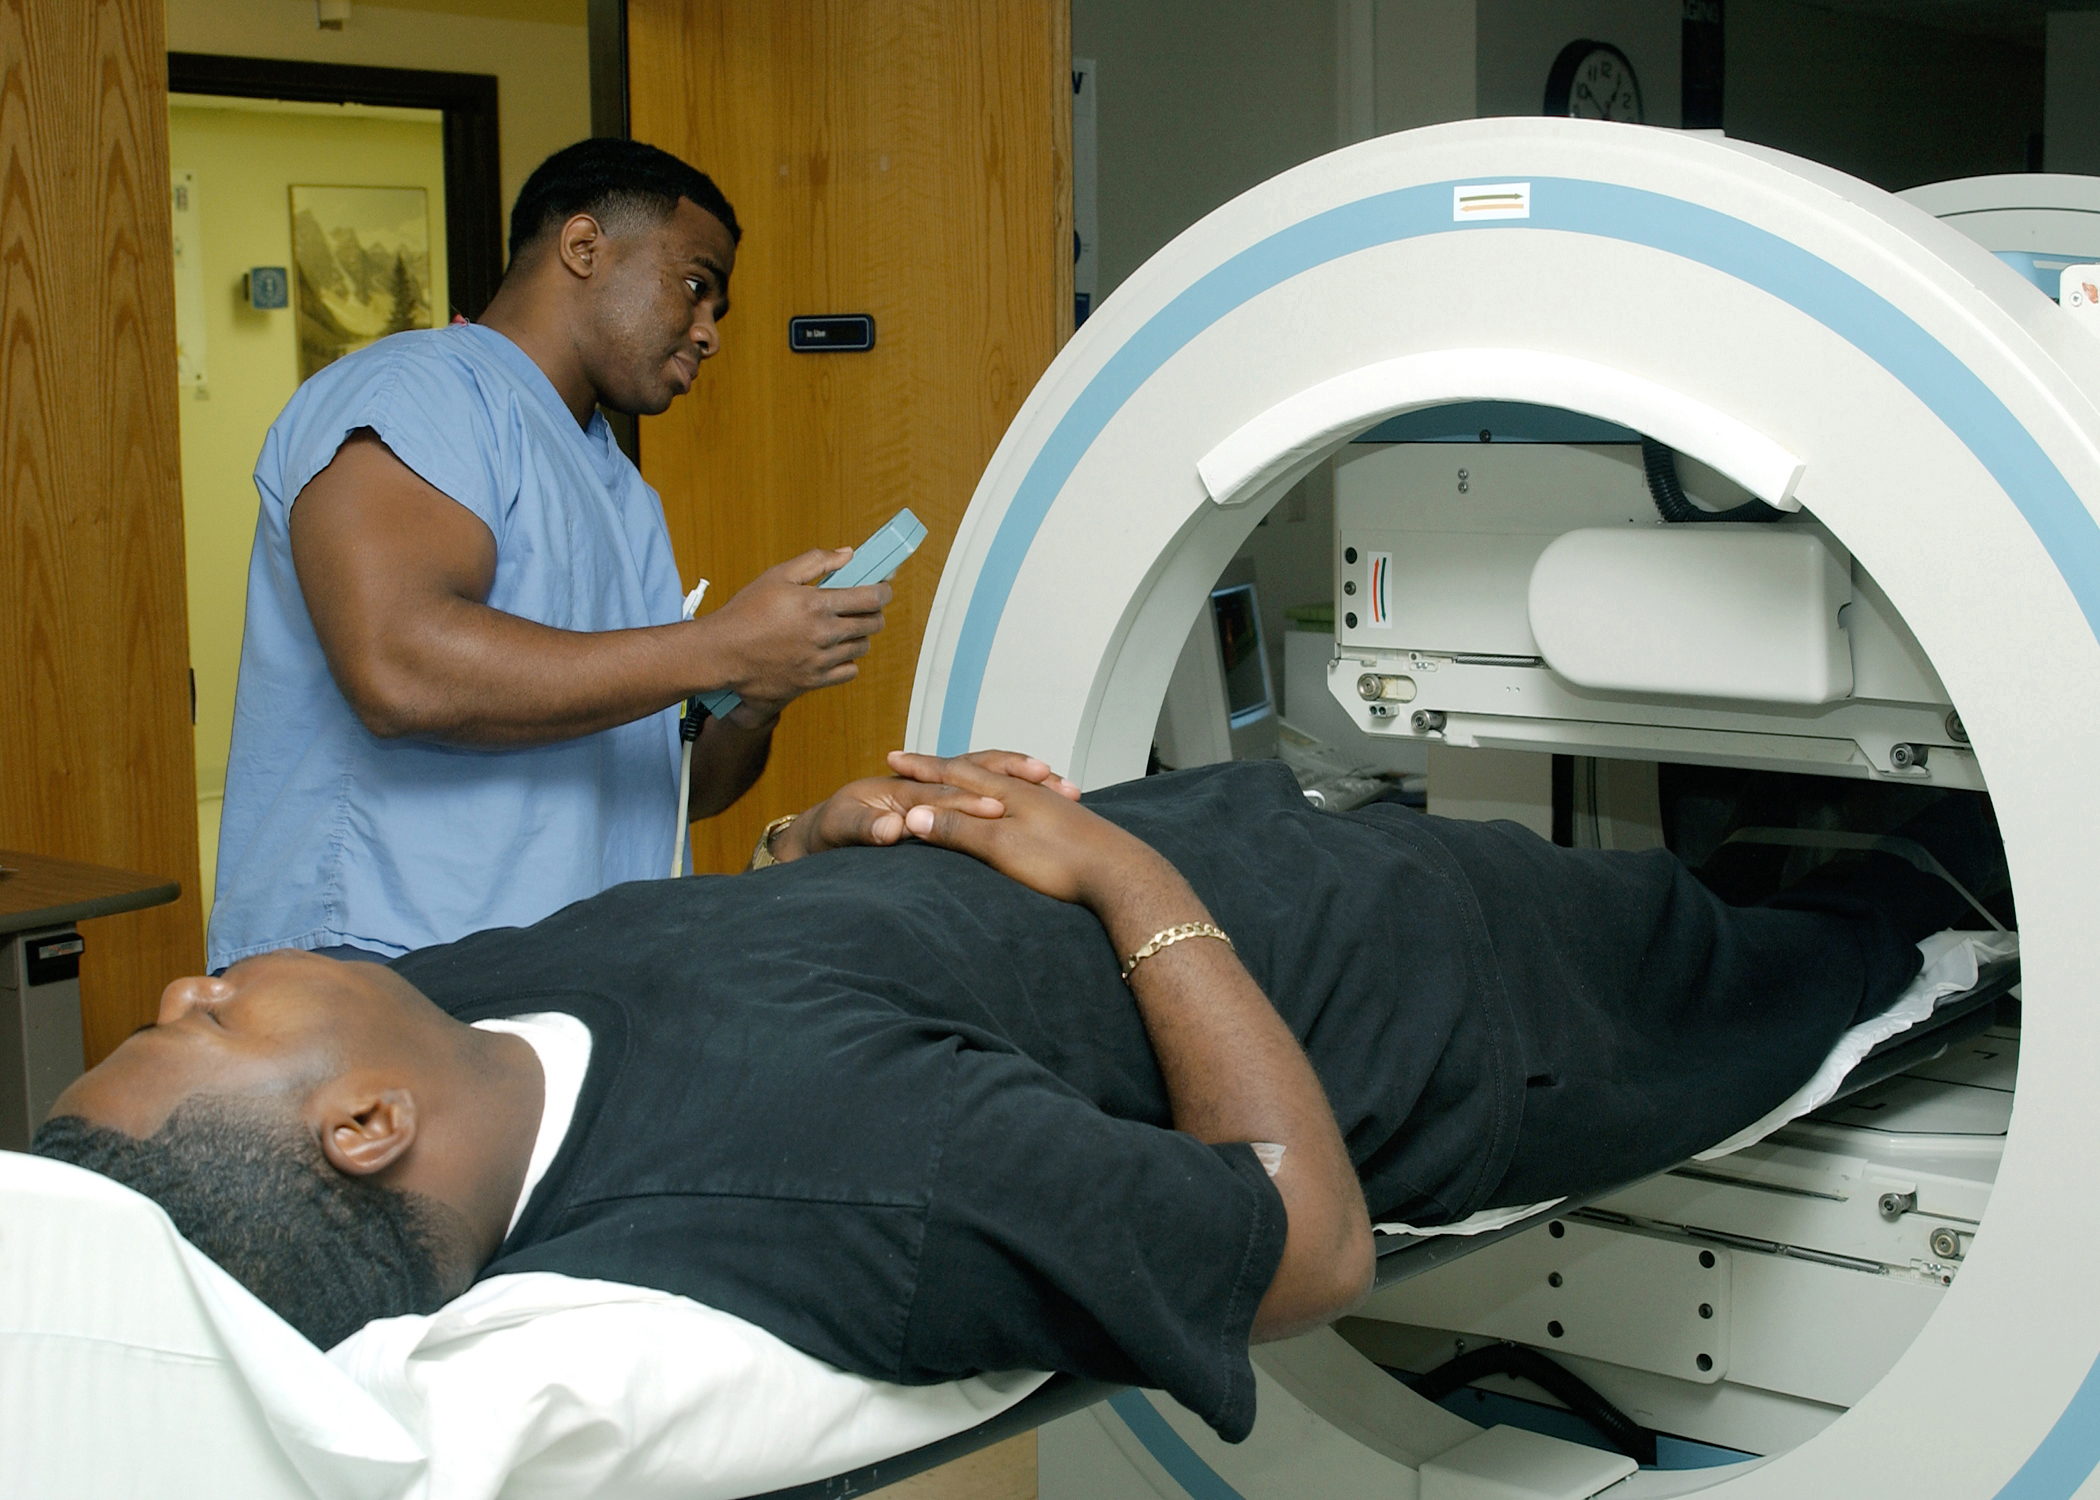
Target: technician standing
pixel 464 651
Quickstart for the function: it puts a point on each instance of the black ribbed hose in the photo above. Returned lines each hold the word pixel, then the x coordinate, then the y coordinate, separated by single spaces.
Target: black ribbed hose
pixel 1671 503
pixel 1618 1429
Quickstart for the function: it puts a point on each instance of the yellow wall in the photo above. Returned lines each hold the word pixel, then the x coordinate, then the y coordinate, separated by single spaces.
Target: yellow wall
pixel 245 156
pixel 542 66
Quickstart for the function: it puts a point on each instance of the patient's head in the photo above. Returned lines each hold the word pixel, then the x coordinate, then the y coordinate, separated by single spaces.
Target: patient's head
pixel 300 1121
pixel 325 1251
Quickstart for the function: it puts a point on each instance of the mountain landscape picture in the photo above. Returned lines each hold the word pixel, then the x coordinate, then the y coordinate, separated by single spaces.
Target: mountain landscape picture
pixel 361 258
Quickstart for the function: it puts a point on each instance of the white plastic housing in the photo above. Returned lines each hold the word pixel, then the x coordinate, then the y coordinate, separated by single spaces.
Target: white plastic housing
pixel 1277 448
pixel 1710 611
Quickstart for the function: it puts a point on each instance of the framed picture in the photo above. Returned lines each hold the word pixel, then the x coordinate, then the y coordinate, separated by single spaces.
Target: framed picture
pixel 361 267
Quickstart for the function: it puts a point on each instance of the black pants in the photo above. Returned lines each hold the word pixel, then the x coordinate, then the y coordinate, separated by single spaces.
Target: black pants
pixel 1653 1019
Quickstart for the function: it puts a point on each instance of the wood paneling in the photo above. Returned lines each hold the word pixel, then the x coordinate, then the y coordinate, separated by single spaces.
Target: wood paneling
pixel 1004 1471
pixel 95 752
pixel 905 158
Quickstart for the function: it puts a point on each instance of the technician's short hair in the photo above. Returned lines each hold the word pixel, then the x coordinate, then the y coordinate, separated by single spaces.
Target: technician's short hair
pixel 612 180
pixel 327 1252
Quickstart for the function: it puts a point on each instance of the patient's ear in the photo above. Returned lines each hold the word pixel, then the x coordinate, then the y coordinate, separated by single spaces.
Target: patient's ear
pixel 365 1130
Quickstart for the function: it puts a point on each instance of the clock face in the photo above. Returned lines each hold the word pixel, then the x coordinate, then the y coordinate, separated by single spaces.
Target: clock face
pixel 1593 81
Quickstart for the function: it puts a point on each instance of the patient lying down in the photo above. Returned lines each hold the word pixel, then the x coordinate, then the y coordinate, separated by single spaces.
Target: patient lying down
pixel 898 1105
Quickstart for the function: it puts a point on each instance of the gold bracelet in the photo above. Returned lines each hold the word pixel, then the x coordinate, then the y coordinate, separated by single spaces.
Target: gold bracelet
pixel 762 856
pixel 1168 938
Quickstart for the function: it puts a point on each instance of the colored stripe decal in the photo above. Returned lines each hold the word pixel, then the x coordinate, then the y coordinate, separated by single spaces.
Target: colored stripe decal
pixel 2056 1469
pixel 1170 1448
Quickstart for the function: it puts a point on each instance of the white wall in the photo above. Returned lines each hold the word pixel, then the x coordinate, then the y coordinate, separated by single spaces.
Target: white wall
pixel 1199 100
pixel 1896 104
pixel 542 67
pixel 1441 60
pixel 1427 63
pixel 2071 112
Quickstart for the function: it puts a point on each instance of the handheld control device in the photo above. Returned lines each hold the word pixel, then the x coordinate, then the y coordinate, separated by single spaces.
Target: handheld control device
pixel 874 561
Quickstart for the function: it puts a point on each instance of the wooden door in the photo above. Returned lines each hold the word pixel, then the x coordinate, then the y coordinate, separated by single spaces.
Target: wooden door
pixel 96 762
pixel 904 158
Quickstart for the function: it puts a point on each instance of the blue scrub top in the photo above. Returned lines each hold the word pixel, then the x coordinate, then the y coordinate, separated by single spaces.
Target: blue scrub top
pixel 333 836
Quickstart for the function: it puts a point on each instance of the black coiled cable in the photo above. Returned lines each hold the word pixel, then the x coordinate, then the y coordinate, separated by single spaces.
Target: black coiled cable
pixel 1618 1429
pixel 1671 503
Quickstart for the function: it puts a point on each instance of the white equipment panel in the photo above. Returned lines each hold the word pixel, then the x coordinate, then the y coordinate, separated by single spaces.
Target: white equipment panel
pixel 1745 612
pixel 1764 645
pixel 1647 1302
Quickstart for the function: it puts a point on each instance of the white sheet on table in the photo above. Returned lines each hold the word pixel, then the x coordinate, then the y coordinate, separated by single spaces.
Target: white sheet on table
pixel 1953 962
pixel 1481 1223
pixel 542 1385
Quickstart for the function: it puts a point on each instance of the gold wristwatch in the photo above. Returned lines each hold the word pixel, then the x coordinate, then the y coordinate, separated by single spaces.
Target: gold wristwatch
pixel 762 856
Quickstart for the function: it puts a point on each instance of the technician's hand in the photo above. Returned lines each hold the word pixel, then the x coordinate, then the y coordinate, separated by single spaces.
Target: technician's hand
pixel 1045 840
pixel 754 714
pixel 784 637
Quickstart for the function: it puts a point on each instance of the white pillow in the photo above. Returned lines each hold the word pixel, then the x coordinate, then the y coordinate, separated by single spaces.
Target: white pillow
pixel 131 1363
pixel 544 1385
pixel 128 1359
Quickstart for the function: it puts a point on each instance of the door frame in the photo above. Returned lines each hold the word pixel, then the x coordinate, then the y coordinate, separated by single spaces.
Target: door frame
pixel 473 159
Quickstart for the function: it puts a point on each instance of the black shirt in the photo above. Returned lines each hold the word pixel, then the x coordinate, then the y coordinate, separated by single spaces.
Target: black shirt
pixel 901 1111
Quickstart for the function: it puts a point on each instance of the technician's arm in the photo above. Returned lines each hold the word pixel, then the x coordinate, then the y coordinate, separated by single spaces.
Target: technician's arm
pixel 729 756
pixel 1233 1070
pixel 395 575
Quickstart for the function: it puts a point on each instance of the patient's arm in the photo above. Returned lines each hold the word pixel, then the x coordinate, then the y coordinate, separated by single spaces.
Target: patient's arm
pixel 1233 1070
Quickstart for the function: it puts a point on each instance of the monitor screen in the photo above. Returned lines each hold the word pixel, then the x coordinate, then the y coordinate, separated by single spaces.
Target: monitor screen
pixel 1239 646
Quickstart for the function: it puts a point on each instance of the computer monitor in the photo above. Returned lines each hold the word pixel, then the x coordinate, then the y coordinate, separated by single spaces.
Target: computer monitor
pixel 1237 614
pixel 1221 701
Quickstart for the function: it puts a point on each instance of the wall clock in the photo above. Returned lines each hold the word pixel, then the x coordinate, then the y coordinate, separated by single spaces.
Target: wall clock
pixel 1593 81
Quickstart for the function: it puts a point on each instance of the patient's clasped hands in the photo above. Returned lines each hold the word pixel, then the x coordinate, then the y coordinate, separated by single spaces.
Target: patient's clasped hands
pixel 1007 809
pixel 878 810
